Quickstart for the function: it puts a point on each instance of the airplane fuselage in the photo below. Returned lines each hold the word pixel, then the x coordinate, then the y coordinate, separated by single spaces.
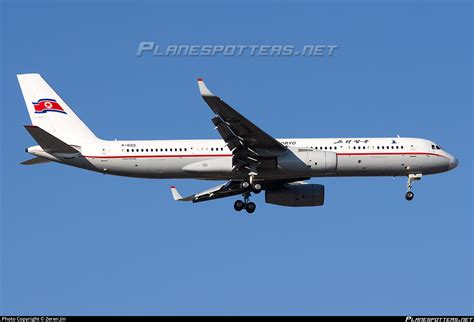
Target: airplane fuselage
pixel 212 160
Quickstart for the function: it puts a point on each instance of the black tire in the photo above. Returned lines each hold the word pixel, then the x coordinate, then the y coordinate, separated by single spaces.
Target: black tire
pixel 409 195
pixel 239 205
pixel 251 207
pixel 245 185
pixel 257 188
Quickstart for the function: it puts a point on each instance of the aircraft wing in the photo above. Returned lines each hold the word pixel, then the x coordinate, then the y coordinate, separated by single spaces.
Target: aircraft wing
pixel 230 188
pixel 249 144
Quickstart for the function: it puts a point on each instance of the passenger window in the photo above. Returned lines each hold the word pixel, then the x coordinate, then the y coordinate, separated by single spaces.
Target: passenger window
pixel 383 147
pixel 185 149
pixel 127 150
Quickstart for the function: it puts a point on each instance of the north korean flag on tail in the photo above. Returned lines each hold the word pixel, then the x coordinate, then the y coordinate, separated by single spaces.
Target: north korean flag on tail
pixel 45 105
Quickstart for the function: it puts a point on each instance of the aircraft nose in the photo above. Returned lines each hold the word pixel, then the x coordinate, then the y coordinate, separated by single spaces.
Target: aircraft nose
pixel 453 163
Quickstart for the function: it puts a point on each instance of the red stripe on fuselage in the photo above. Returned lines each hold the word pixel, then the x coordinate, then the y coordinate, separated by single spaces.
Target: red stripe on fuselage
pixel 229 155
pixel 157 156
pixel 393 153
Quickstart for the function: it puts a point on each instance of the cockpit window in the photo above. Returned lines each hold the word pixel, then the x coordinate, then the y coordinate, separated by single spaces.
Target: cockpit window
pixel 438 148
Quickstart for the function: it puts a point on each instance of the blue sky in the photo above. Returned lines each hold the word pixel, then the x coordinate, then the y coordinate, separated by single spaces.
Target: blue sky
pixel 76 242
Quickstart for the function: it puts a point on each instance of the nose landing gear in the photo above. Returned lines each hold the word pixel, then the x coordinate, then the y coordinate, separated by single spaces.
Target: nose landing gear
pixel 411 177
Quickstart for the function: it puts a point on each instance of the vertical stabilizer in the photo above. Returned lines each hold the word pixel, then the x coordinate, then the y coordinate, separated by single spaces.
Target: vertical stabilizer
pixel 48 111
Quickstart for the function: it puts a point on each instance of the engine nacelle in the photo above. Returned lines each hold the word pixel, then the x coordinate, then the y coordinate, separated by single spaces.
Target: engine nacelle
pixel 296 195
pixel 307 160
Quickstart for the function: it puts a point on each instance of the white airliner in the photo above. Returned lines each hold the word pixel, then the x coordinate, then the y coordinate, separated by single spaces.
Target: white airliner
pixel 247 158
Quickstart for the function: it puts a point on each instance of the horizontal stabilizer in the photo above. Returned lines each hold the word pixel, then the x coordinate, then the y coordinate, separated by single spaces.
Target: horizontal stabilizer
pixel 49 143
pixel 36 160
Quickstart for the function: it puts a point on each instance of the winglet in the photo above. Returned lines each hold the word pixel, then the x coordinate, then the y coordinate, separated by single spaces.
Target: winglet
pixel 203 88
pixel 177 196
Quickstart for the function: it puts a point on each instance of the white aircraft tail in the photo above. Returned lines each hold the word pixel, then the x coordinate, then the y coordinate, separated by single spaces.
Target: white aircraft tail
pixel 48 111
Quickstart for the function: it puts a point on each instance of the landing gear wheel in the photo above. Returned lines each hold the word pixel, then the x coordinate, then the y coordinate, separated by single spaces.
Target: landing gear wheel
pixel 245 185
pixel 239 205
pixel 257 188
pixel 411 177
pixel 250 207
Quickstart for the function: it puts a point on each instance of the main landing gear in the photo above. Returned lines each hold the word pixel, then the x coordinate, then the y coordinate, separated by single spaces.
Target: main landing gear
pixel 411 177
pixel 246 204
pixel 248 187
pixel 255 188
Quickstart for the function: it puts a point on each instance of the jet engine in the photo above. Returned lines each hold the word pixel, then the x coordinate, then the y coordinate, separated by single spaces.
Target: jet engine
pixel 296 195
